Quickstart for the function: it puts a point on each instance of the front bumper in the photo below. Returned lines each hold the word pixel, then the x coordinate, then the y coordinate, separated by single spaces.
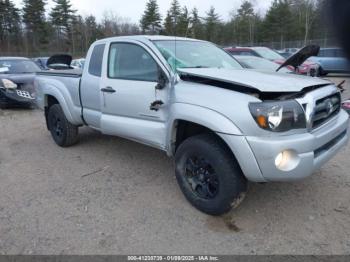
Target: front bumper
pixel 256 155
pixel 17 97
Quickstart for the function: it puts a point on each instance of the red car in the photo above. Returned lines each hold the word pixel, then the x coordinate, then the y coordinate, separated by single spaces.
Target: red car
pixel 269 54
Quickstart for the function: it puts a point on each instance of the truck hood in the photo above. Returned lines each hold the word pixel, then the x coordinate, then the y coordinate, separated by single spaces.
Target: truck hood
pixel 300 57
pixel 261 81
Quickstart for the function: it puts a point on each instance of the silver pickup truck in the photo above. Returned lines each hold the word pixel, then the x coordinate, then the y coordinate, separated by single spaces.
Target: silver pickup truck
pixel 223 124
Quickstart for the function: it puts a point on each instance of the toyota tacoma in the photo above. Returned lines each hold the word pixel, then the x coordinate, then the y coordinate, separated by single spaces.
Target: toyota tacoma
pixel 224 125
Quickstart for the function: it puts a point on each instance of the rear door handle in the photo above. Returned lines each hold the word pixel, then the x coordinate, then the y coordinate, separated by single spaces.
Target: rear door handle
pixel 108 89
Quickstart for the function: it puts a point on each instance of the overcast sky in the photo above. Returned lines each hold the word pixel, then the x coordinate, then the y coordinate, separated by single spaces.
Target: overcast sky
pixel 133 9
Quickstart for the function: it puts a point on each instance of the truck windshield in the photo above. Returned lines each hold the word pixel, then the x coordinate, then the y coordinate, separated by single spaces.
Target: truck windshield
pixel 195 54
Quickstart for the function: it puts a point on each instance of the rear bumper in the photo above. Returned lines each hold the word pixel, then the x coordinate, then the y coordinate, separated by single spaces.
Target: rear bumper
pixel 256 155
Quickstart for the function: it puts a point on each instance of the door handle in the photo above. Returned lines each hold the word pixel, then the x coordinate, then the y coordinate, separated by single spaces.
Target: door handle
pixel 108 89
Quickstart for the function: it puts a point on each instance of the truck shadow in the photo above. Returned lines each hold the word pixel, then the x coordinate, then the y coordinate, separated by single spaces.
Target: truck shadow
pixel 266 205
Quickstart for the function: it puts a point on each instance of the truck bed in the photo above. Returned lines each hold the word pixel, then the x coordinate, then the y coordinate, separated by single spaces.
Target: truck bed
pixel 62 73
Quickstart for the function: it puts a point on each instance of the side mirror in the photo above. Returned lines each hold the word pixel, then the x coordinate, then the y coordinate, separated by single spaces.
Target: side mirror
pixel 162 80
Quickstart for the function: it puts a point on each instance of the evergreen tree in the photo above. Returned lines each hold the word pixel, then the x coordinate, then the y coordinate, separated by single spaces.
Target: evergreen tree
pixel 92 30
pixel 279 25
pixel 196 25
pixel 183 23
pixel 168 27
pixel 35 23
pixel 151 18
pixel 62 18
pixel 10 25
pixel 172 18
pixel 212 24
pixel 246 22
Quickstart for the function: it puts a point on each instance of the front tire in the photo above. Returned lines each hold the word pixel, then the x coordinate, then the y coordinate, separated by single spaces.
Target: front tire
pixel 209 175
pixel 63 132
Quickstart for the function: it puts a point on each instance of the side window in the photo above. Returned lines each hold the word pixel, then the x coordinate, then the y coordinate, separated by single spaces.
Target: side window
pixel 95 65
pixel 340 53
pixel 234 52
pixel 131 62
pixel 327 53
pixel 248 53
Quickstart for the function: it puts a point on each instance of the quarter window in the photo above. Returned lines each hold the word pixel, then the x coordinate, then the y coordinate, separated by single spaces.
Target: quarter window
pixel 95 65
pixel 131 62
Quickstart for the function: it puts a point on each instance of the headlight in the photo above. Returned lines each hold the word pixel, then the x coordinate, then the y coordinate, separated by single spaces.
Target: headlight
pixel 278 116
pixel 8 84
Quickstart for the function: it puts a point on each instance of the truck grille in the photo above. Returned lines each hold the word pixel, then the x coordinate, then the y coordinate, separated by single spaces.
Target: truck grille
pixel 325 109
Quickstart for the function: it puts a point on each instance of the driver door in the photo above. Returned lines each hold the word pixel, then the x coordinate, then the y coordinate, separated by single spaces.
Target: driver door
pixel 128 92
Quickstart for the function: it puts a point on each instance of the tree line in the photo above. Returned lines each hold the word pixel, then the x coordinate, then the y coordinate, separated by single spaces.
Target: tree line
pixel 31 31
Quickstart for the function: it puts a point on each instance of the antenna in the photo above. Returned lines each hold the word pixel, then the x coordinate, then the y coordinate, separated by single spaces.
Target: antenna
pixel 175 25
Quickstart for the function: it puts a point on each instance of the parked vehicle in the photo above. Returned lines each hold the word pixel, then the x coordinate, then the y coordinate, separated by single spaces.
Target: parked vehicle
pixel 78 63
pixel 271 55
pixel 288 52
pixel 258 63
pixel 59 62
pixel 284 54
pixel 41 62
pixel 17 82
pixel 223 124
pixel 331 60
pixel 346 106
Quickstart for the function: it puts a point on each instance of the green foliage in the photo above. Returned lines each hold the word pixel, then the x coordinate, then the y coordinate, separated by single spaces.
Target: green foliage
pixel 212 25
pixel 151 19
pixel 35 23
pixel 279 22
pixel 62 18
pixel 10 24
pixel 171 21
pixel 183 22
pixel 31 32
pixel 246 22
pixel 62 14
pixel 196 25
pixel 9 19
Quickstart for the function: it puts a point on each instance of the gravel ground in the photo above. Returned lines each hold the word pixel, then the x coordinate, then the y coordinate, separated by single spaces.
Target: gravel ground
pixel 108 195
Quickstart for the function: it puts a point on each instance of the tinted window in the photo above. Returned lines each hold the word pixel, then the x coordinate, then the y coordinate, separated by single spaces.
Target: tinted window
pixel 339 53
pixel 132 62
pixel 247 53
pixel 95 65
pixel 327 53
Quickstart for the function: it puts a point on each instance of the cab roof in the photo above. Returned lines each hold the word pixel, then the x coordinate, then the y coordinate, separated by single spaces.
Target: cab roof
pixel 13 58
pixel 147 38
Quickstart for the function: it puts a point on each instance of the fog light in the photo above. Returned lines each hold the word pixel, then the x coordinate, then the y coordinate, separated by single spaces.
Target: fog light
pixel 279 159
pixel 287 160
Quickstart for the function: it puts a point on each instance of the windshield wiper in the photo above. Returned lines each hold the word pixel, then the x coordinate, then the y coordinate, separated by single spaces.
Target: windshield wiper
pixel 195 67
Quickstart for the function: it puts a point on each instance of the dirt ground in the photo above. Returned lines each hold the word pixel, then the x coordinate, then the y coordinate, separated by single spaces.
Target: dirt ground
pixel 108 195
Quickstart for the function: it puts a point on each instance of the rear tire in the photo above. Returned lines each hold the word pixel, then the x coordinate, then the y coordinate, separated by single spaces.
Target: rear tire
pixel 209 175
pixel 322 72
pixel 63 132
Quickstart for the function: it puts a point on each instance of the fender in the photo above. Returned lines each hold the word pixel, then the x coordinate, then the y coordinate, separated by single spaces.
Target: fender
pixel 60 92
pixel 206 117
